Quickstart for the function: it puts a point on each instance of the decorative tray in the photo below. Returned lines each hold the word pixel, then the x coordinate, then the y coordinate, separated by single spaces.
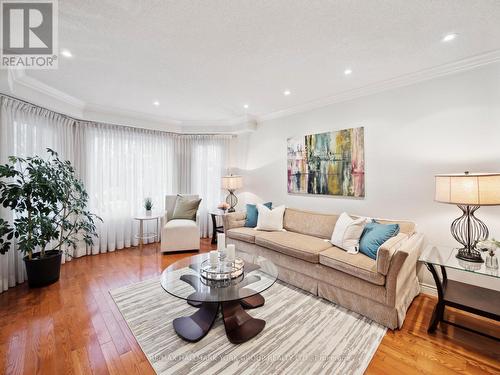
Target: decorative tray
pixel 224 270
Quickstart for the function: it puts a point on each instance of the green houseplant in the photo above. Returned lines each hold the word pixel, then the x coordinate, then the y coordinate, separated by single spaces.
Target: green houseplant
pixel 148 205
pixel 49 204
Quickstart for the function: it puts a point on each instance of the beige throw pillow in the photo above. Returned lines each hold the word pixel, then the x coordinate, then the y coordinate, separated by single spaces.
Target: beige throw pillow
pixel 270 220
pixel 347 233
pixel 185 208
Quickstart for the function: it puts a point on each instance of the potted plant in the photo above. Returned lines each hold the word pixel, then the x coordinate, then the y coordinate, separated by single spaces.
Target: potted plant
pixel 49 204
pixel 148 205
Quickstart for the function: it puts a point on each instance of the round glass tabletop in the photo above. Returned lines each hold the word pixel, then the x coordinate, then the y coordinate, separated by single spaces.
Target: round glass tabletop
pixel 182 279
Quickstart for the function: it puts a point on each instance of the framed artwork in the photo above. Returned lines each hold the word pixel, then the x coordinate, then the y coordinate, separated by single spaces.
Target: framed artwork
pixel 330 163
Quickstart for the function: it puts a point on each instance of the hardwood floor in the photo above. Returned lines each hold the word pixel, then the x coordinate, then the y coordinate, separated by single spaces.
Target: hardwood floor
pixel 74 327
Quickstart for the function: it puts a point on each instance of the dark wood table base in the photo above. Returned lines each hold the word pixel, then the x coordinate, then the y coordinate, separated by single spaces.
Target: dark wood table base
pixel 466 297
pixel 193 328
pixel 240 326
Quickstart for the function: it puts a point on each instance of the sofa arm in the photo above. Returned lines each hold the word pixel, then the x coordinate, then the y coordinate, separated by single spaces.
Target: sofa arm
pixel 234 220
pixel 403 267
pixel 387 250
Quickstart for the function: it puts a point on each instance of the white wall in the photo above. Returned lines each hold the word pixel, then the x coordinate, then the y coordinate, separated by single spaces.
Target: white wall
pixel 450 124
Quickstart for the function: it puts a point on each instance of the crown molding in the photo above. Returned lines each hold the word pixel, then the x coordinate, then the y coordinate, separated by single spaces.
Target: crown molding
pixel 18 79
pixel 29 88
pixel 389 84
pixel 113 115
pixel 235 122
pixel 241 127
pixel 238 125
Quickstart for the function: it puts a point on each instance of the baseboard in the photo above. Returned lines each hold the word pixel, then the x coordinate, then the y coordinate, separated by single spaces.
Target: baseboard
pixel 428 289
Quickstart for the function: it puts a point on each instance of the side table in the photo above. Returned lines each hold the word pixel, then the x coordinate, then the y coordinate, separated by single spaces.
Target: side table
pixel 462 296
pixel 145 217
pixel 216 228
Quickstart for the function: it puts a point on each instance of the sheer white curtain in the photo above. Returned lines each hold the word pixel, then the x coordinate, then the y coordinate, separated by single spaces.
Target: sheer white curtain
pixel 123 166
pixel 201 162
pixel 120 166
pixel 27 130
pixel 210 157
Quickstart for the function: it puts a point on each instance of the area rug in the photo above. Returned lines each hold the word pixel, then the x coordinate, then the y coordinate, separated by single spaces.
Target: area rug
pixel 303 334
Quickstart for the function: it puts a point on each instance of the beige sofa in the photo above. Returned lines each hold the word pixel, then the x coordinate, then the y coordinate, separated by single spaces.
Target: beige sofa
pixel 381 289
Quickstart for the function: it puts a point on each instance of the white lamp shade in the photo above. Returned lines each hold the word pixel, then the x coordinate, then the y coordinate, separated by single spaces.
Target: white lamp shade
pixel 478 189
pixel 232 182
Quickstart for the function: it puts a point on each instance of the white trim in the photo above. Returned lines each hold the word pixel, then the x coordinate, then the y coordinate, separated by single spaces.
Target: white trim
pixel 92 108
pixel 428 289
pixel 19 79
pixel 389 84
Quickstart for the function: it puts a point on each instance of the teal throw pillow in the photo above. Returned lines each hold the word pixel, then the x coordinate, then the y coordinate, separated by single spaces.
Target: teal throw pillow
pixel 374 235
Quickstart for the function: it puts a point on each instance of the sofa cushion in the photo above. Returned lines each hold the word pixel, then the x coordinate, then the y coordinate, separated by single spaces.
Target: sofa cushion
pixel 358 265
pixel 296 245
pixel 310 223
pixel 242 234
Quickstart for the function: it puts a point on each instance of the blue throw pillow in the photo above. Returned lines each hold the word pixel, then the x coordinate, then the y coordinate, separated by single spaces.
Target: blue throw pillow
pixel 253 214
pixel 374 235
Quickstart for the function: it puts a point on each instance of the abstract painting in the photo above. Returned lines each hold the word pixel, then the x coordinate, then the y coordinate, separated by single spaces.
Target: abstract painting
pixel 330 163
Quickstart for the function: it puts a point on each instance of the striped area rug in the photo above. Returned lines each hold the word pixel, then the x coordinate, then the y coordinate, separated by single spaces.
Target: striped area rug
pixel 304 334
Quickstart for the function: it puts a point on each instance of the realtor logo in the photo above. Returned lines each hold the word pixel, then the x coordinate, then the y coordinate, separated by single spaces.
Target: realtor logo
pixel 29 34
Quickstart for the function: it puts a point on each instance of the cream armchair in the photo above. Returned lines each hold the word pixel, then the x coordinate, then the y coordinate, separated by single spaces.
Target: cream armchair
pixel 178 234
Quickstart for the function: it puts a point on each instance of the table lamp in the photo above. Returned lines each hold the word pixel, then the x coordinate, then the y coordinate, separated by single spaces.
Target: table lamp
pixel 232 183
pixel 469 191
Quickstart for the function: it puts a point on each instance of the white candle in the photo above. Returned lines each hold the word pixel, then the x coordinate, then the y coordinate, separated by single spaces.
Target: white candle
pixel 231 252
pixel 214 257
pixel 221 241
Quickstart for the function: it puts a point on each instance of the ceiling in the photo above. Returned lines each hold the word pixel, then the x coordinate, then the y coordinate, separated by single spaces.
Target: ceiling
pixel 203 60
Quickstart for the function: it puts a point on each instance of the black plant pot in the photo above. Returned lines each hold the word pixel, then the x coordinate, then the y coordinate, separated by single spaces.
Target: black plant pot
pixel 43 271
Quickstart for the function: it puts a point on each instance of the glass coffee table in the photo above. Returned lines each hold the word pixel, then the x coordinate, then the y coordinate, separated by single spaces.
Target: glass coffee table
pixel 182 279
pixel 467 297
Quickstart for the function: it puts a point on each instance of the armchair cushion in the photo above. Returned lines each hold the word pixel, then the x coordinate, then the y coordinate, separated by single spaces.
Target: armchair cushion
pixel 180 234
pixel 185 208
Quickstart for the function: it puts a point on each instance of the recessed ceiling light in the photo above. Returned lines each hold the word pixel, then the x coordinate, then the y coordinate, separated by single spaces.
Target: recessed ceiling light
pixel 66 53
pixel 347 72
pixel 156 103
pixel 286 92
pixel 245 106
pixel 449 37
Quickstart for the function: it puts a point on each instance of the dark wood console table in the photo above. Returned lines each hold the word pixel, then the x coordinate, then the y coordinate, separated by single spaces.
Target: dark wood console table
pixel 459 295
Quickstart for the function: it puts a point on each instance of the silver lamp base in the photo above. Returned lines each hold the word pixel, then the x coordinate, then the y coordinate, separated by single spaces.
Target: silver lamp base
pixel 231 200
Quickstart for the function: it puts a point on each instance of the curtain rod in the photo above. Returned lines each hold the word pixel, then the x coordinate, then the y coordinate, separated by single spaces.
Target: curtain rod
pixel 109 124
